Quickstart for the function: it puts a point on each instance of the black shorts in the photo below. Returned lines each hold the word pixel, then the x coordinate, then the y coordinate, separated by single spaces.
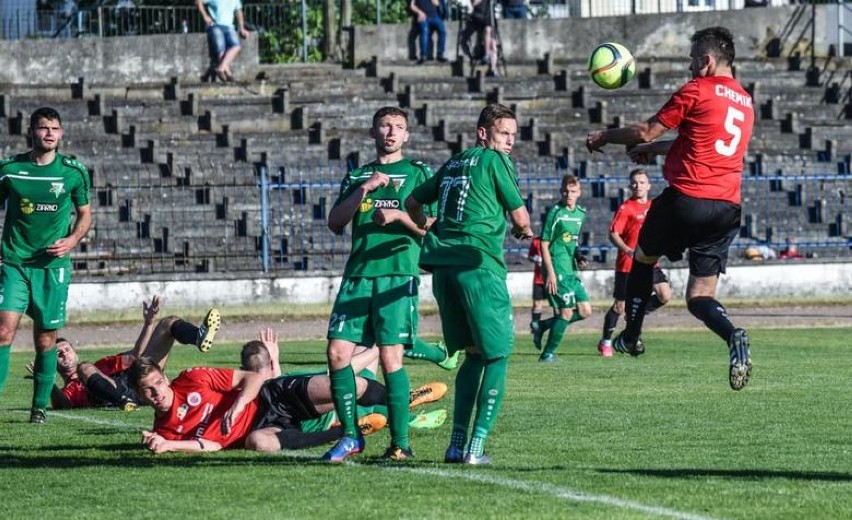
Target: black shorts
pixel 284 402
pixel 538 292
pixel 619 290
pixel 706 228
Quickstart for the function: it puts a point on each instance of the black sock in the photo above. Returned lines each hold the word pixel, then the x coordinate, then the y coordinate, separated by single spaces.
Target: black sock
pixel 184 332
pixel 640 282
pixel 536 317
pixel 545 325
pixel 713 314
pixel 654 303
pixel 610 322
pixel 103 390
pixel 376 393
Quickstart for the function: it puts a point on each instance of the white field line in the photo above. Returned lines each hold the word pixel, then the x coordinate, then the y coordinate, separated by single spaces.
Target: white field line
pixel 561 493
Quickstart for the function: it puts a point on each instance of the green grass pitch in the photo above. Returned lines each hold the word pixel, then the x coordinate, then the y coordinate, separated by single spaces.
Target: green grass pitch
pixel 661 436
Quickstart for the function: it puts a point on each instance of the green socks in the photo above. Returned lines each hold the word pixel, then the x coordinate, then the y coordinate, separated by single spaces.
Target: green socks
pixel 343 393
pixel 5 353
pixel 398 415
pixel 44 374
pixel 424 350
pixel 489 401
pixel 556 334
pixel 468 380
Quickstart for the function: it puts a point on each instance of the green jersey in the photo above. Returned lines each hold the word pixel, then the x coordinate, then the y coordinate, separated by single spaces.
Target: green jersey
pixel 474 190
pixel 383 250
pixel 562 229
pixel 40 201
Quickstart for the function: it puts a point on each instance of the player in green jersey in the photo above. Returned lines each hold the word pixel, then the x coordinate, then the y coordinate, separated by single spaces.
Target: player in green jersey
pixel 560 253
pixel 464 250
pixel 378 297
pixel 40 188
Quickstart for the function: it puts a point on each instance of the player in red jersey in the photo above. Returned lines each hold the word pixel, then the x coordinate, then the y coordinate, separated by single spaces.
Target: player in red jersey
pixel 104 382
pixel 700 210
pixel 203 409
pixel 209 409
pixel 539 295
pixel 624 235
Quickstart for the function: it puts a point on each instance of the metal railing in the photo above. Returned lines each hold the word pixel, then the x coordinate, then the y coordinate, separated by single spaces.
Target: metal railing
pixel 244 219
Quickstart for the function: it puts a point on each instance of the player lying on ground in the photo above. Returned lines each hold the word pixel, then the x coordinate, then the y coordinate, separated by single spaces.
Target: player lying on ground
pixel 239 401
pixel 104 382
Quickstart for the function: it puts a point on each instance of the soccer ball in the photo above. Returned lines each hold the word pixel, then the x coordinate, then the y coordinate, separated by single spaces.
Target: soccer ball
pixel 611 65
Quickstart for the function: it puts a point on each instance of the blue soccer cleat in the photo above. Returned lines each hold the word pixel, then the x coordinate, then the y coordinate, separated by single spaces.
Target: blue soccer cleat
pixel 547 358
pixel 345 447
pixel 454 455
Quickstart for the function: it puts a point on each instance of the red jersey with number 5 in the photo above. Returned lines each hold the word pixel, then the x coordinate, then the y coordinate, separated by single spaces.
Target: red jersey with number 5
pixel 714 117
pixel 202 396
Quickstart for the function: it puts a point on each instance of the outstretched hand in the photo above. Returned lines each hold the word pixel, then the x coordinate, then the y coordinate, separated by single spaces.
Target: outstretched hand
pixel 595 140
pixel 269 338
pixel 151 310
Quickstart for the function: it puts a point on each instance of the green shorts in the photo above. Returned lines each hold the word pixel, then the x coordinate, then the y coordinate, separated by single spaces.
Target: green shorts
pixel 569 292
pixel 376 311
pixel 475 310
pixel 40 293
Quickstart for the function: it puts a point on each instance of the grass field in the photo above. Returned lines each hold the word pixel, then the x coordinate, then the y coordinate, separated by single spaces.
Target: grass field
pixel 661 436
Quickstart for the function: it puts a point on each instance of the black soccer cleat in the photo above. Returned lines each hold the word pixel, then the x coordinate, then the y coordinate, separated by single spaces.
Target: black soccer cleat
pixel 739 371
pixel 37 416
pixel 635 349
pixel 397 453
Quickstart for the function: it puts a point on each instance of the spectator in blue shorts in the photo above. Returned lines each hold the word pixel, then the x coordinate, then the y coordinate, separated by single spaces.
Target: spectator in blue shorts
pixel 222 40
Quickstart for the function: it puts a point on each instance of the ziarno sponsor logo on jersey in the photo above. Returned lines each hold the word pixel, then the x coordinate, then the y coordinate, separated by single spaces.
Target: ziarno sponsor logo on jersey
pixel 386 204
pixel 28 207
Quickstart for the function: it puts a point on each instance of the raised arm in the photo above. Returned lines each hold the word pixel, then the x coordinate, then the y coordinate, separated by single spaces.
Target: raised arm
pixel 269 338
pixel 343 212
pixel 149 320
pixel 644 132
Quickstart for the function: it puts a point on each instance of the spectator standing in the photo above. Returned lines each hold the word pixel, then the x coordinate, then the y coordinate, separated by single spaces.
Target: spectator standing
pixel 516 9
pixel 222 41
pixel 428 16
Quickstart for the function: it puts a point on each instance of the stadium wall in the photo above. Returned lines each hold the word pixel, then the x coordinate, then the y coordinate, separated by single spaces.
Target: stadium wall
pixel 800 281
pixel 658 35
pixel 154 58
pixel 117 60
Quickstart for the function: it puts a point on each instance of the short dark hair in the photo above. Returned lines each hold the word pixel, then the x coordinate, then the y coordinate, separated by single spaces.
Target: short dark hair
pixel 492 113
pixel 570 180
pixel 389 111
pixel 44 113
pixel 254 356
pixel 637 171
pixel 140 368
pixel 717 41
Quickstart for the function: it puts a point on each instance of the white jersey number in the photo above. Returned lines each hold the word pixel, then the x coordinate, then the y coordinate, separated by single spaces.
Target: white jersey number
pixel 732 121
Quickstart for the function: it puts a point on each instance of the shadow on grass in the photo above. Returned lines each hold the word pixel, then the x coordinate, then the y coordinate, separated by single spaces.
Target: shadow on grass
pixel 827 476
pixel 134 457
